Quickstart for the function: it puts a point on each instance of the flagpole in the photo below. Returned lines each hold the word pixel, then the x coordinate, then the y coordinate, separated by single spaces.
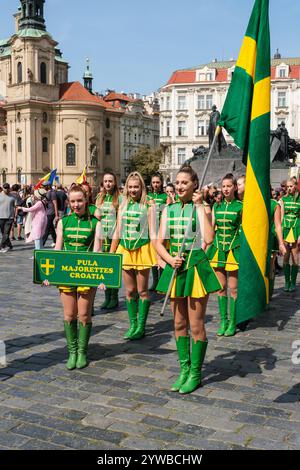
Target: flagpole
pixel 217 132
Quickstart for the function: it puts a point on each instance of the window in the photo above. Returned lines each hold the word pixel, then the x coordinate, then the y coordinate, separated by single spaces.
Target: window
pixel 181 155
pixel 282 73
pixel 168 105
pixel 161 128
pixel 201 102
pixel 202 127
pixel 209 77
pixel 19 117
pixel 4 147
pixel 209 101
pixel 168 128
pixel 43 72
pixel 181 128
pixel 45 118
pixel 107 123
pixel 181 102
pixel 19 176
pixel 162 103
pixel 19 72
pixel 71 155
pixel 107 147
pixel 19 144
pixel 281 99
pixel 45 145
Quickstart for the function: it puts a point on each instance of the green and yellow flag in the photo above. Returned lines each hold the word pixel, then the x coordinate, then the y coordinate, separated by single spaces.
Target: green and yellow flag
pixel 246 117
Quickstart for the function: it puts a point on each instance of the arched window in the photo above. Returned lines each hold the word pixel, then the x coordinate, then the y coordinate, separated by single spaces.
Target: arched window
pixel 20 72
pixel 4 147
pixel 71 155
pixel 19 117
pixel 45 145
pixel 30 10
pixel 43 72
pixel 19 144
pixel 24 11
pixel 107 147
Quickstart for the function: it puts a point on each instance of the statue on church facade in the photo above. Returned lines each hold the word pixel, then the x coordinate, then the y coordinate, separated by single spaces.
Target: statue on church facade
pixel 93 155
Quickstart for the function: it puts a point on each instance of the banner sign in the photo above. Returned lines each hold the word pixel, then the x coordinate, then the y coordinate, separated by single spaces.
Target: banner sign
pixel 68 268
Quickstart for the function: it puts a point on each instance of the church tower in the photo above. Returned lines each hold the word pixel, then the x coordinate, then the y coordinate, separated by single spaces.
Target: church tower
pixel 88 77
pixel 32 15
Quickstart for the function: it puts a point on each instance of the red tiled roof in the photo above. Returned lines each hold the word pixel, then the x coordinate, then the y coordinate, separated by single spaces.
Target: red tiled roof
pixel 117 97
pixel 186 76
pixel 189 76
pixel 74 91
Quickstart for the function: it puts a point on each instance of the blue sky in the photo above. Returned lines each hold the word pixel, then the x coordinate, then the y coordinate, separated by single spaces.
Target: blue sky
pixel 135 45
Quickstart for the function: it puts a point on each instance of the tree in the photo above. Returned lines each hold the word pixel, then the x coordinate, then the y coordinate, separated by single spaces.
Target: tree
pixel 146 161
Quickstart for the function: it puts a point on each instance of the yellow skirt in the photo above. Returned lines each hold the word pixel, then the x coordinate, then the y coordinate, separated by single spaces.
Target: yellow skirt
pixel 70 289
pixel 198 289
pixel 140 259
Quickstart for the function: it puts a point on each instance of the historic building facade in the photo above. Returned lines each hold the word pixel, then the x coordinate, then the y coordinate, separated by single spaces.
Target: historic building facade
pixel 139 125
pixel 46 122
pixel 186 102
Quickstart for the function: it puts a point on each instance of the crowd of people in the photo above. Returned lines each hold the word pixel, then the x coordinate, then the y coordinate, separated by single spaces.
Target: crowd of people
pixel 195 231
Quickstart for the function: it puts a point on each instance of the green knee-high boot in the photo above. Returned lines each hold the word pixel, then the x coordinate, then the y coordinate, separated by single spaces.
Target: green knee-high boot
pixel 107 294
pixel 183 349
pixel 287 274
pixel 294 273
pixel 144 306
pixel 83 341
pixel 132 308
pixel 114 299
pixel 222 300
pixel 197 358
pixel 232 321
pixel 71 335
pixel 155 277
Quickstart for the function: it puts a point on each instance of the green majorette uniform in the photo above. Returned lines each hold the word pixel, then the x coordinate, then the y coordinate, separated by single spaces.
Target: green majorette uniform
pixel 291 218
pixel 224 253
pixel 160 202
pixel 291 233
pixel 92 209
pixel 138 254
pixel 195 278
pixel 108 225
pixel 79 236
pixel 274 241
pixel 79 232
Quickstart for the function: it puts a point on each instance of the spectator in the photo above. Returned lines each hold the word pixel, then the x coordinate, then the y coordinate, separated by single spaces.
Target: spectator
pixel 7 217
pixel 62 201
pixel 39 218
pixel 52 213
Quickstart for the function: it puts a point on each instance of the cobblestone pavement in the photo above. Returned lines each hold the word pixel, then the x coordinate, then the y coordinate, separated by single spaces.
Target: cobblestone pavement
pixel 249 399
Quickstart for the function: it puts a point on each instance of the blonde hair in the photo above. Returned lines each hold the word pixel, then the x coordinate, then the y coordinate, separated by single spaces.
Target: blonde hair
pixel 136 176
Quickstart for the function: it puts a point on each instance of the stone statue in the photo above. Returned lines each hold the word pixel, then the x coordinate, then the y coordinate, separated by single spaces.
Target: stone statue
pixel 93 155
pixel 10 78
pixel 284 147
pixel 29 74
pixel 213 122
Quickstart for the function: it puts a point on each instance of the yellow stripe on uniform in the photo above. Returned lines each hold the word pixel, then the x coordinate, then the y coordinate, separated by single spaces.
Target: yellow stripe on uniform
pixel 261 103
pixel 257 237
pixel 247 56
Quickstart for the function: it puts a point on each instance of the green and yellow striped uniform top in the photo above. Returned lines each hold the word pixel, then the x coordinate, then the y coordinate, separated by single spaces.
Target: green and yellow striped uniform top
pixel 291 206
pixel 79 232
pixel 178 216
pixel 134 225
pixel 108 214
pixel 228 218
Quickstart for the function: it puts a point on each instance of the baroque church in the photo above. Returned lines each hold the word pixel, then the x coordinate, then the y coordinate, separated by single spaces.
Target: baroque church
pixel 45 121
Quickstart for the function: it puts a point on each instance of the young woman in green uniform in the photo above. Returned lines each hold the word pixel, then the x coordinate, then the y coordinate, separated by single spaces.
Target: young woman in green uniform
pixel 159 198
pixel 77 232
pixel 276 243
pixel 107 203
pixel 195 278
pixel 290 205
pixel 224 251
pixel 132 239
